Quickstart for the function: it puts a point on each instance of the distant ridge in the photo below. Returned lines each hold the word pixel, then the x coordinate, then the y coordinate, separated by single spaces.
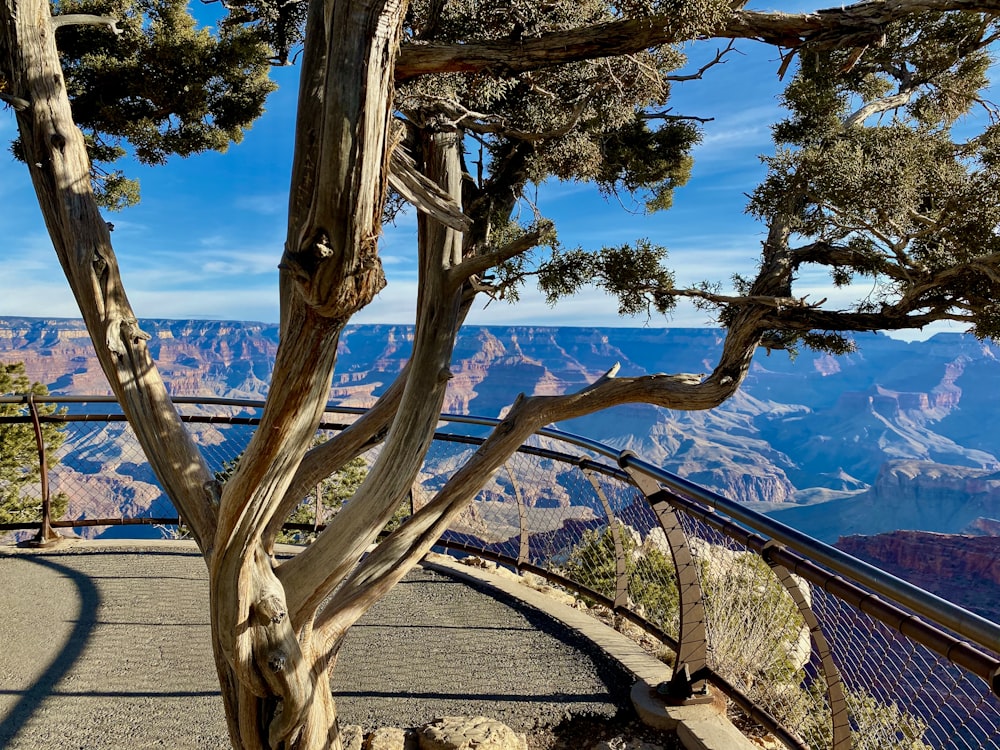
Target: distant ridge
pixel 816 429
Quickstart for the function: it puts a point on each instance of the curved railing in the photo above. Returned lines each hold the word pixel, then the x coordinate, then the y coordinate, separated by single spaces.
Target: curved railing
pixel 819 648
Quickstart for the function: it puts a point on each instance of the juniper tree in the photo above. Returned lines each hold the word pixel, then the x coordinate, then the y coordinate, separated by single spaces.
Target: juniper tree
pixel 461 108
pixel 20 469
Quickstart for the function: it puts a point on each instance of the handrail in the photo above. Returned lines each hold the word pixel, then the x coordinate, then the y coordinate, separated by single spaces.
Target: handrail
pixel 578 440
pixel 688 514
pixel 963 622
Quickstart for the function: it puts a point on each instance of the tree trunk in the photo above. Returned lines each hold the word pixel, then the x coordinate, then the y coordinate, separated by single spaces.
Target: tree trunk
pixel 273 670
pixel 60 171
pixel 274 679
pixel 276 688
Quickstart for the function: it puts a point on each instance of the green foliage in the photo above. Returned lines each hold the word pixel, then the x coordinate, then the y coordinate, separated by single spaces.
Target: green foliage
pixel 874 725
pixel 640 159
pixel 20 473
pixel 280 24
pixel 758 639
pixel 634 275
pixel 868 173
pixel 162 87
pixel 652 585
pixel 589 121
pixel 883 726
pixel 332 492
pixel 507 277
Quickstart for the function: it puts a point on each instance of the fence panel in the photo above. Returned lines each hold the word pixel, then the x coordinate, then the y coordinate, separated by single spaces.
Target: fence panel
pixel 820 665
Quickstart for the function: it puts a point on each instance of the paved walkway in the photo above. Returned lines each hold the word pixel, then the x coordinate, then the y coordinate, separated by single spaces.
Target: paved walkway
pixel 110 648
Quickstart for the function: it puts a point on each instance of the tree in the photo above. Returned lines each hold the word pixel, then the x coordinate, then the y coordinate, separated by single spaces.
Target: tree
pixel 460 108
pixel 327 499
pixel 20 470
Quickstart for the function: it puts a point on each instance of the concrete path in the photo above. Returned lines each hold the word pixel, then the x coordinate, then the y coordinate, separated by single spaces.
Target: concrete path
pixel 109 648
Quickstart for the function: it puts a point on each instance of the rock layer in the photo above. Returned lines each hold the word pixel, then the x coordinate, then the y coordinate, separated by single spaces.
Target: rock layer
pixel 959 567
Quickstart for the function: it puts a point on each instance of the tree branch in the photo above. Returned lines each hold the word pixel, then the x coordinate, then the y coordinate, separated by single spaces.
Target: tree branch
pixel 885 104
pixel 312 575
pixel 321 461
pixel 16 102
pixel 387 564
pixel 826 254
pixel 852 25
pixel 56 155
pixel 85 19
pixel 777 303
pixel 480 123
pixel 479 264
pixel 700 73
pixel 891 318
pixel 427 197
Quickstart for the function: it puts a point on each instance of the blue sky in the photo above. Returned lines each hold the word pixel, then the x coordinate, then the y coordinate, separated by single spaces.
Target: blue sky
pixel 206 239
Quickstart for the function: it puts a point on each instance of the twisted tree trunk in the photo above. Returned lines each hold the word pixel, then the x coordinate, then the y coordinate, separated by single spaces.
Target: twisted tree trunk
pixel 57 160
pixel 274 677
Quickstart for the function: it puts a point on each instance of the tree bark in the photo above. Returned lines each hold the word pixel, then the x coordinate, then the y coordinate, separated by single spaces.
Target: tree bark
pixel 276 672
pixel 60 171
pixel 272 651
pixel 322 566
pixel 840 26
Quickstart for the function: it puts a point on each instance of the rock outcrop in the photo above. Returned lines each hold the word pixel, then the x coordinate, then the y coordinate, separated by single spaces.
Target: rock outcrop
pixel 918 495
pixel 816 428
pixel 961 568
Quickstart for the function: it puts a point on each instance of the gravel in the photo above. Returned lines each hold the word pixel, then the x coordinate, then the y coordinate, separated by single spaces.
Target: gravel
pixel 110 649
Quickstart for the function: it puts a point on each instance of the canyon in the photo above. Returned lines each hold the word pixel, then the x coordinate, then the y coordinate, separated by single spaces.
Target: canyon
pixel 894 436
pixel 961 568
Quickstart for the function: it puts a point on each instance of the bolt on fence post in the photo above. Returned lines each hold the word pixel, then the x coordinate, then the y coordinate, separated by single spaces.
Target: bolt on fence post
pixel 46 534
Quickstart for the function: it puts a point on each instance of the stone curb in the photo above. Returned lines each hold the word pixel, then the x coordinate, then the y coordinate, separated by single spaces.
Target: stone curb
pixel 699 727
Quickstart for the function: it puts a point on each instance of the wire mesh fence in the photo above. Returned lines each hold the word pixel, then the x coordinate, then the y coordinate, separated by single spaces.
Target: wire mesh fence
pixel 818 669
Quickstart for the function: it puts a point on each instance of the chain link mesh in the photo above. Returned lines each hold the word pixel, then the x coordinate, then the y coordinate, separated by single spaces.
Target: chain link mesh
pixel 550 508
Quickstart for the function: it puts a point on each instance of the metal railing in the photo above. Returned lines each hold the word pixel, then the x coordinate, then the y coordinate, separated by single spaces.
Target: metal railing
pixel 820 649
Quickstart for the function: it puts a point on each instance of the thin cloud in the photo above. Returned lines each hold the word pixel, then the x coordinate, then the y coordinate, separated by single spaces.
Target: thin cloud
pixel 256 303
pixel 272 204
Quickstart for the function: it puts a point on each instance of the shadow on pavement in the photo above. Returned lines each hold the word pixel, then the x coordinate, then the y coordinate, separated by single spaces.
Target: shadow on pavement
pixel 76 642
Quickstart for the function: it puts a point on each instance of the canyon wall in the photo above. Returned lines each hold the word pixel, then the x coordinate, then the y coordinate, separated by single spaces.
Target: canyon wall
pixel 962 568
pixel 814 434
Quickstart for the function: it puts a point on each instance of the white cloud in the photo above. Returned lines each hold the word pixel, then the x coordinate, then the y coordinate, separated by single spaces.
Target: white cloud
pixel 396 303
pixel 247 262
pixel 271 204
pixel 249 303
pixel 214 240
pixel 40 298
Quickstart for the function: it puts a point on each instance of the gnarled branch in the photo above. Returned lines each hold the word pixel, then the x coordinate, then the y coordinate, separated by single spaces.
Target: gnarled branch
pixel 422 193
pixel 85 19
pixel 850 26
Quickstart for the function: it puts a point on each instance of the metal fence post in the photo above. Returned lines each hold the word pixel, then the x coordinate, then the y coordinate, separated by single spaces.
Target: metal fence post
pixel 524 547
pixel 836 699
pixel 46 534
pixel 689 684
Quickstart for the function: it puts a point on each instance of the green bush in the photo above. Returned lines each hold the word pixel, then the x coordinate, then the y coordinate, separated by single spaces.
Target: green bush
pixel 758 639
pixel 652 583
pixel 19 468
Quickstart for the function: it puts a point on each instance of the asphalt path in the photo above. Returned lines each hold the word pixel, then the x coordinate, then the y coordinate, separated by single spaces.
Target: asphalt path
pixel 109 648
